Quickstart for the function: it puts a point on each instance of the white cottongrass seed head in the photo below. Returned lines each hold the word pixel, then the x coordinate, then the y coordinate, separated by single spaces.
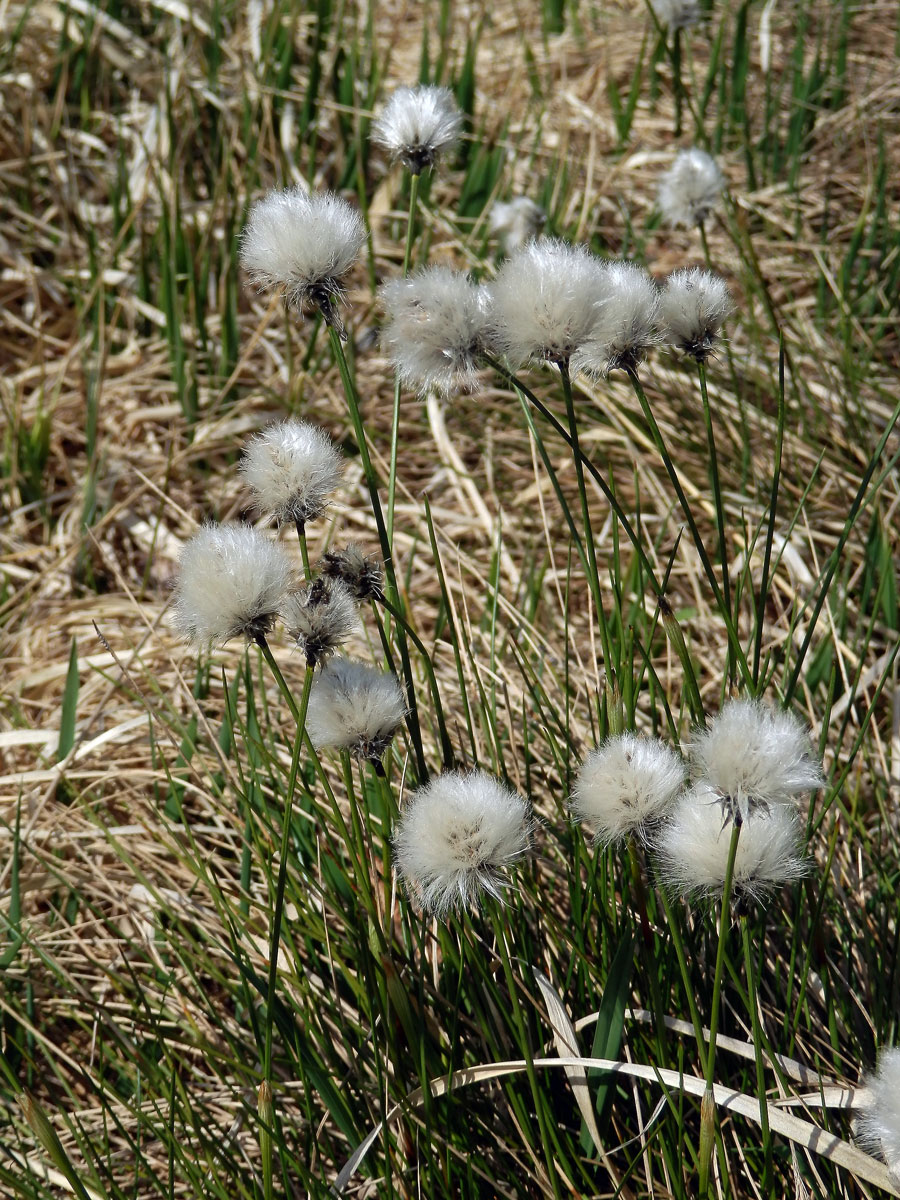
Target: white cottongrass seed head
pixel 435 330
pixel 624 326
pixel 879 1118
pixel 544 301
pixel 355 707
pixel 418 125
pixel 292 468
pixel 677 14
pixel 755 756
pixel 517 221
pixel 625 784
pixel 692 847
pixel 456 837
pixel 320 617
pixel 305 242
pixel 231 581
pixel 693 306
pixel 690 189
pixel 362 576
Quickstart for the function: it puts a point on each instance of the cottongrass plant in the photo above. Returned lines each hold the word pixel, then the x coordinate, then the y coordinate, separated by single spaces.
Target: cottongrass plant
pixel 320 617
pixel 436 329
pixel 690 189
pixel 515 222
pixel 624 325
pixel 456 838
pixel 677 14
pixel 292 468
pixel 694 305
pixel 879 1118
pixel 305 242
pixel 626 785
pixel 361 575
pixel 418 125
pixel 356 708
pixel 231 582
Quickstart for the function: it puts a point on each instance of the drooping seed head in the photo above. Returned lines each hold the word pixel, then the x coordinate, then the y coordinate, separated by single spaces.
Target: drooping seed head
pixel 362 576
pixel 690 189
pixel 418 125
pixel 625 784
pixel 305 242
pixel 320 617
pixel 624 325
pixel 292 468
pixel 354 707
pixel 456 837
pixel 231 582
pixel 436 327
pixel 693 306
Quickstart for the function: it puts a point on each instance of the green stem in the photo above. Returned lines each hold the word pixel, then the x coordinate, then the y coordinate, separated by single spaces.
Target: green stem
pixel 352 397
pixel 304 549
pixel 758 1042
pixel 674 932
pixel 709 1115
pixel 395 422
pixel 717 489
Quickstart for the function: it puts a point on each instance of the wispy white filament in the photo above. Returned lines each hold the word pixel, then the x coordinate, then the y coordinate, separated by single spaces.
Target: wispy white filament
pixel 292 468
pixel 545 301
pixel 231 581
pixel 676 14
pixel 879 1120
pixel 516 222
pixel 690 189
pixel 692 846
pixel 354 707
pixel 624 325
pixel 305 242
pixel 418 125
pixel 754 755
pixel 693 306
pixel 626 783
pixel 436 323
pixel 320 617
pixel 456 837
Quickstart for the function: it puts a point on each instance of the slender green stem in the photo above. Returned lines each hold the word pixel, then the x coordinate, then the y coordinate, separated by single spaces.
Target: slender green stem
pixel 674 932
pixel 352 397
pixel 716 485
pixel 758 1043
pixel 395 422
pixel 709 1115
pixel 677 81
pixel 770 529
pixel 304 549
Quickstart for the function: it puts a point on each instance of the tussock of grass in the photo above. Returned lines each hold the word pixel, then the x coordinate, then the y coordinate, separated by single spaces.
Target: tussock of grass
pixel 142 792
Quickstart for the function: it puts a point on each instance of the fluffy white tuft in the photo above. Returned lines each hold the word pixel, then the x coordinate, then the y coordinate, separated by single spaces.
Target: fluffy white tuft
pixel 545 301
pixel 354 707
pixel 692 846
pixel 625 783
pixel 320 617
pixel 879 1120
pixel 292 468
pixel 418 125
pixel 516 222
pixel 231 581
pixel 693 305
pixel 624 324
pixel 362 576
pixel 756 756
pixel 436 323
pixel 690 189
pixel 305 242
pixel 677 14
pixel 455 837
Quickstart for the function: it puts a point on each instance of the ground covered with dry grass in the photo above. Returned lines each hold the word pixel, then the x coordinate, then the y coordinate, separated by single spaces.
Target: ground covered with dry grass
pixel 142 789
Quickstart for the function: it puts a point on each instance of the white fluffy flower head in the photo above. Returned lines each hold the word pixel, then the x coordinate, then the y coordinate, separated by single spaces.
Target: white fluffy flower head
pixel 319 618
pixel 690 189
pixel 362 576
pixel 544 301
pixel 292 468
pixel 305 242
pixel 693 846
pixel 231 582
pixel 625 322
pixel 693 305
pixel 435 330
pixel 755 756
pixel 879 1120
pixel 418 125
pixel 354 707
pixel 516 222
pixel 457 835
pixel 677 14
pixel 626 783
